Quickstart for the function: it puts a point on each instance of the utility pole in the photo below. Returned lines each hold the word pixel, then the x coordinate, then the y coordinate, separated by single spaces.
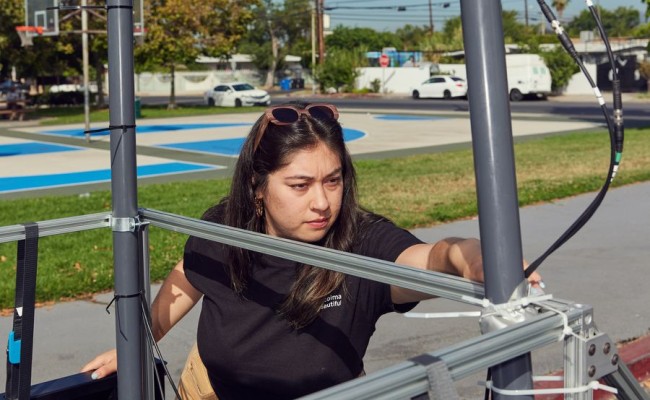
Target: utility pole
pixel 526 11
pixel 430 17
pixel 321 38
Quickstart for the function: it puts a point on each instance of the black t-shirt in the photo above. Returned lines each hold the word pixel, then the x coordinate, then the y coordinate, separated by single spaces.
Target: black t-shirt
pixel 251 353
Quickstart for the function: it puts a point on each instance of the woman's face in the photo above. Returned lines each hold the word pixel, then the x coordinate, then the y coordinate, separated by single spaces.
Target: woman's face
pixel 302 200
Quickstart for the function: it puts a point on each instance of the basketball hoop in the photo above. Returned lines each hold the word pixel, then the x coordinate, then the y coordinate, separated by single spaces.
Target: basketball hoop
pixel 25 36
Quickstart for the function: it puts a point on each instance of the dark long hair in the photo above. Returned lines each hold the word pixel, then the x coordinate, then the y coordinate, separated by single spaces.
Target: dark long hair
pixel 278 143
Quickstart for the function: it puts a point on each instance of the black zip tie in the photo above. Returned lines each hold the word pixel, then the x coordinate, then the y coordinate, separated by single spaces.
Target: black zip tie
pixel 127 7
pixel 110 127
pixel 122 296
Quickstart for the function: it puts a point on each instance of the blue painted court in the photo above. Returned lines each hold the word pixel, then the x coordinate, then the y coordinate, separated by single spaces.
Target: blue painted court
pixel 396 117
pixel 78 170
pixel 45 181
pixel 232 147
pixel 19 149
pixel 143 129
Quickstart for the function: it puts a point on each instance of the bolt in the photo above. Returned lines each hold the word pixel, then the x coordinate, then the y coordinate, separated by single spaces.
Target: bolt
pixel 592 371
pixel 592 349
pixel 607 348
pixel 615 359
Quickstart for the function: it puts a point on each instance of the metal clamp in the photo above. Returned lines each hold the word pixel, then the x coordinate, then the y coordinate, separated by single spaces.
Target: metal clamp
pixel 125 224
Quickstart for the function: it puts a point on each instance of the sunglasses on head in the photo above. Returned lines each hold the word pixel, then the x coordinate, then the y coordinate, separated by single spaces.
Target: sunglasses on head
pixel 288 114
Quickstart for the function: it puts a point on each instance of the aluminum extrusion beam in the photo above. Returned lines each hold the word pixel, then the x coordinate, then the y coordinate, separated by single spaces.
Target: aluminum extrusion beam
pixel 628 386
pixel 409 379
pixel 494 167
pixel 51 227
pixel 437 284
pixel 128 283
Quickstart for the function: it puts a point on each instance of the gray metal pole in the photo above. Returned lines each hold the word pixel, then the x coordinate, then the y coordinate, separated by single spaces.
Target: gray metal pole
pixel 495 170
pixel 84 57
pixel 128 286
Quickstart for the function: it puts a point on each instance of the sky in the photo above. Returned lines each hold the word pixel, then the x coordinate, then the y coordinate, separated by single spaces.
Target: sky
pixel 382 15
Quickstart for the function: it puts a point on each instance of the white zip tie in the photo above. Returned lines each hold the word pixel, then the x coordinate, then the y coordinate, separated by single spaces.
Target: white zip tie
pixel 593 385
pixel 555 24
pixel 566 330
pixel 499 308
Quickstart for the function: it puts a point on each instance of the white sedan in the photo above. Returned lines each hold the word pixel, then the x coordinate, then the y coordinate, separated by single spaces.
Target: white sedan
pixel 236 94
pixel 441 86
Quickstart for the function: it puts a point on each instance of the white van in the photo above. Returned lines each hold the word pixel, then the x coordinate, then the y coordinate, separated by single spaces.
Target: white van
pixel 527 75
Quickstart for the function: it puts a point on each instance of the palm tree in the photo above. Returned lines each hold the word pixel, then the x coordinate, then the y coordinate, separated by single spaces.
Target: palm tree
pixel 559 6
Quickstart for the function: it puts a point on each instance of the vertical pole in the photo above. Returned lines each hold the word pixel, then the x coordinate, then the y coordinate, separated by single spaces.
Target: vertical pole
pixel 84 57
pixel 526 11
pixel 313 49
pixel 321 37
pixel 430 17
pixel 128 282
pixel 495 170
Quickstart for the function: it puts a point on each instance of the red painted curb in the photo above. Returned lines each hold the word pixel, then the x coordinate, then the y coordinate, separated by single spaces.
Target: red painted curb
pixel 635 354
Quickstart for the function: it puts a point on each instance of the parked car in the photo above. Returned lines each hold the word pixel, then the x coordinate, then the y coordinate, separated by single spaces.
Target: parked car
pixel 236 94
pixel 7 85
pixel 441 86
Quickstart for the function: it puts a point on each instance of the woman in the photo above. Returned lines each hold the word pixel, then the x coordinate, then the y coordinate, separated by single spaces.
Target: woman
pixel 271 328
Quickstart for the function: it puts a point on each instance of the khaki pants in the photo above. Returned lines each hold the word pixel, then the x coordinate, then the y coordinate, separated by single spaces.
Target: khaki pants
pixel 195 384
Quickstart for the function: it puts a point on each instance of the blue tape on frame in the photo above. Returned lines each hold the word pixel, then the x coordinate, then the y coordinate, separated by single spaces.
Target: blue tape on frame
pixel 13 349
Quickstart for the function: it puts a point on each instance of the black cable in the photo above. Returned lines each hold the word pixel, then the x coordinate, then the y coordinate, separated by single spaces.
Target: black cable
pixel 154 345
pixel 615 129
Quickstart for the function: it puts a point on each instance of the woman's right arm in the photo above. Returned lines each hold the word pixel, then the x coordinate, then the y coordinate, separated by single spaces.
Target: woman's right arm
pixel 176 298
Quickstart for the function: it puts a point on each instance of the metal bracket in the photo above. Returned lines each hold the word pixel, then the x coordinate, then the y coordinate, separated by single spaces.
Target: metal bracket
pixel 588 355
pixel 125 224
pixel 599 356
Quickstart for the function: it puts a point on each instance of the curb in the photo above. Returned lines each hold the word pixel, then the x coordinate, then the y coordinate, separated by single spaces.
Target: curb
pixel 635 354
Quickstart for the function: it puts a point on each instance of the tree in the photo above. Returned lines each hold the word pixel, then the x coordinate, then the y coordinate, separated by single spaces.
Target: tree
pixel 620 22
pixel 644 70
pixel 351 38
pixel 513 30
pixel 559 6
pixel 12 13
pixel 339 70
pixel 411 36
pixel 647 9
pixel 561 66
pixel 181 30
pixel 450 39
pixel 277 31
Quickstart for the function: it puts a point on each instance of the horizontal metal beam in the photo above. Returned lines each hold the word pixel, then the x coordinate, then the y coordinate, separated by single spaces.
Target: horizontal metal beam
pixel 409 379
pixel 434 283
pixel 12 233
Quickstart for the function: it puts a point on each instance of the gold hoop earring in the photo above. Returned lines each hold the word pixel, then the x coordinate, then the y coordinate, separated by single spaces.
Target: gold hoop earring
pixel 259 207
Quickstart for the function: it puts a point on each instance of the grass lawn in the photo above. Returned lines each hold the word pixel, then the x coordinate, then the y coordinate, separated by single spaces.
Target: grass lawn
pixel 75 114
pixel 414 191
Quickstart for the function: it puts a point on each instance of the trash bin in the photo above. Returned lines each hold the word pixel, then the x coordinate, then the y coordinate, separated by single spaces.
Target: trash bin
pixel 138 110
pixel 285 84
